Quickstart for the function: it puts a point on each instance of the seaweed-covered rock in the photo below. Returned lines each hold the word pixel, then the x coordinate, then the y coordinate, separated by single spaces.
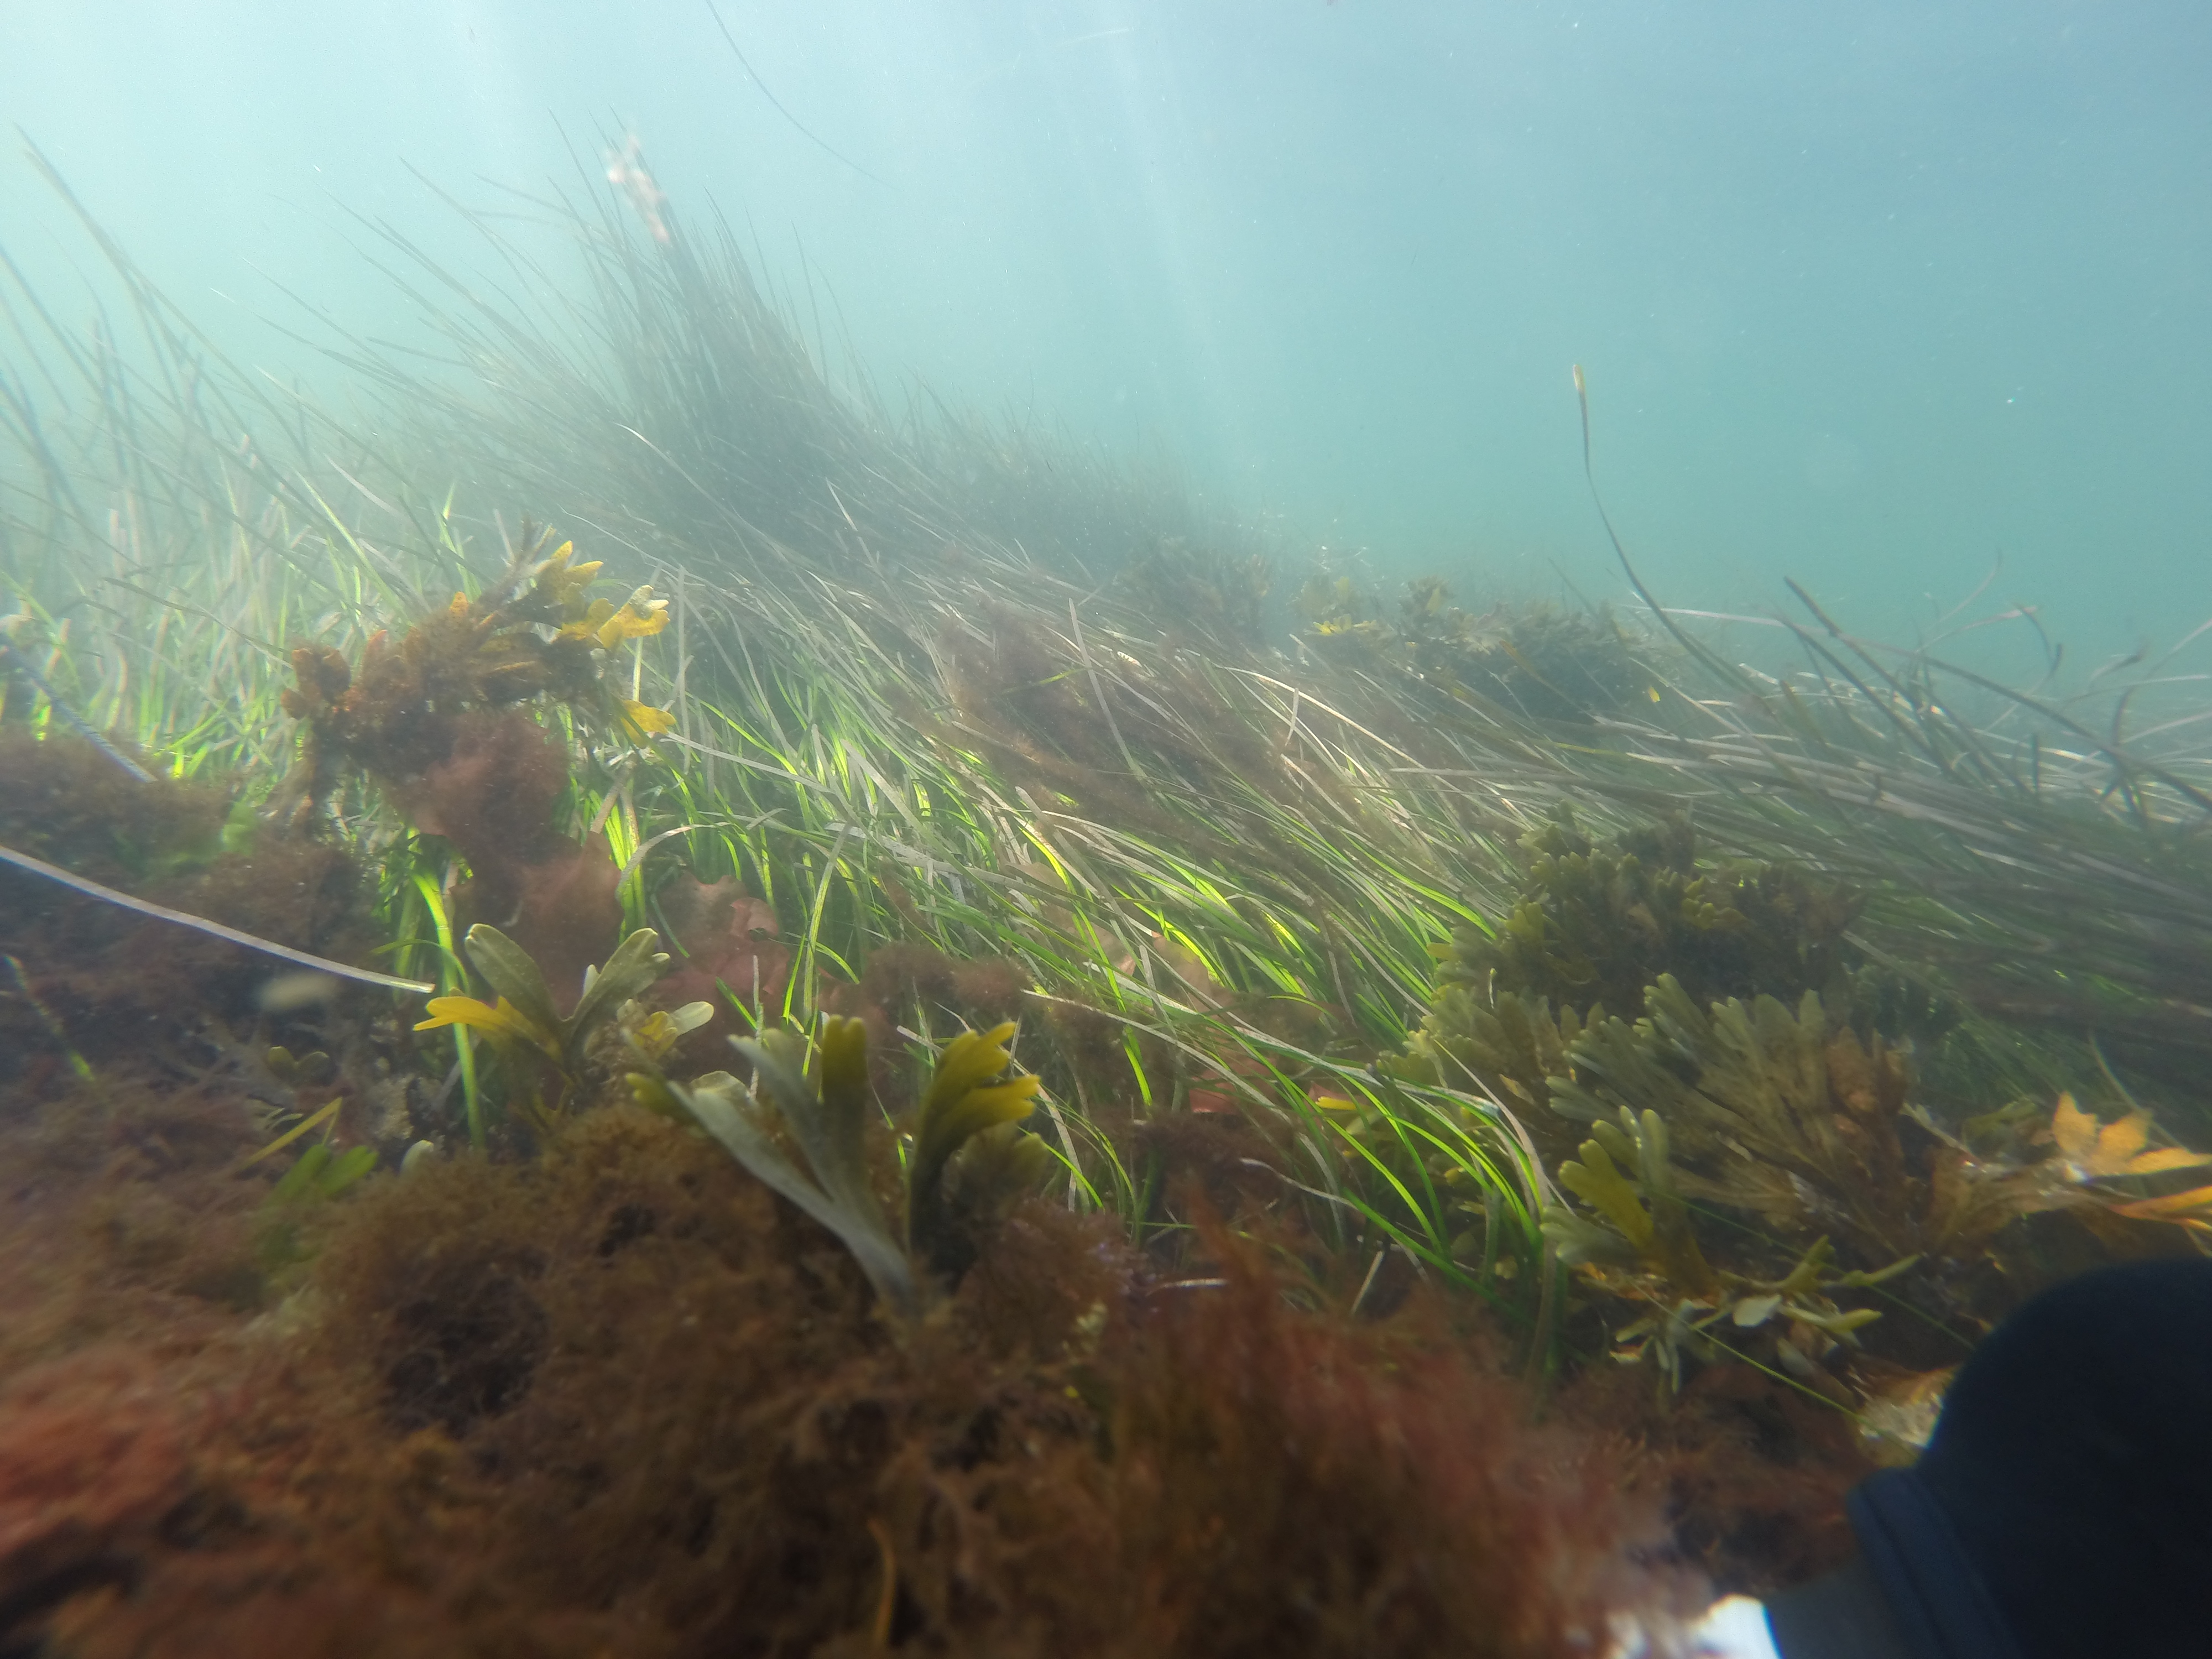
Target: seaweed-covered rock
pixel 89 976
pixel 1786 1115
pixel 437 721
pixel 1592 927
pixel 1509 1046
pixel 1595 926
pixel 1536 661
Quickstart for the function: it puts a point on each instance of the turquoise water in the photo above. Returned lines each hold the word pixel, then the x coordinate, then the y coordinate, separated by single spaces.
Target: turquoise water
pixel 1883 296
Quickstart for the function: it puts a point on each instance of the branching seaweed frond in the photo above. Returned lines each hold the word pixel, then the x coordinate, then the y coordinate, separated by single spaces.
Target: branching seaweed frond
pixel 971 1107
pixel 972 1103
pixel 523 1022
pixel 524 1014
pixel 1650 1224
pixel 825 1115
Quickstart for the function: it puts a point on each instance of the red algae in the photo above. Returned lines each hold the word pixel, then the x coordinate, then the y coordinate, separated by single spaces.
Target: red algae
pixel 619 1398
pixel 492 796
pixel 1292 1482
pixel 115 982
pixel 622 1399
pixel 1749 1471
pixel 726 947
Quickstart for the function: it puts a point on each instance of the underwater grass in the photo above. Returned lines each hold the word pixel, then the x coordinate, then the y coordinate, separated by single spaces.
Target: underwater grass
pixel 922 693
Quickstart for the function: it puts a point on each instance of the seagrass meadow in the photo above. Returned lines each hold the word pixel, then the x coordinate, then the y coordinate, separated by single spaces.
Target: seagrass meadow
pixel 896 1042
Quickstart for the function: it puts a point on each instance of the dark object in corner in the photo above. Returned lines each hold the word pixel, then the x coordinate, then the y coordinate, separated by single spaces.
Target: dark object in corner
pixel 2059 1511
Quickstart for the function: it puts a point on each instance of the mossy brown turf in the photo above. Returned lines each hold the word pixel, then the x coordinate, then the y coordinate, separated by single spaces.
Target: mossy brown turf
pixel 620 1399
pixel 117 983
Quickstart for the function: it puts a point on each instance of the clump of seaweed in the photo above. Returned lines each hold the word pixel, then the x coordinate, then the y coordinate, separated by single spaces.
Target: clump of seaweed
pixel 1539 661
pixel 970 1159
pixel 532 634
pixel 1797 1122
pixel 532 1038
pixel 436 720
pixel 1509 1048
pixel 1783 1114
pixel 1592 927
pixel 1751 1465
pixel 1626 1175
pixel 623 1385
pixel 88 977
pixel 732 956
pixel 1595 925
pixel 1299 1484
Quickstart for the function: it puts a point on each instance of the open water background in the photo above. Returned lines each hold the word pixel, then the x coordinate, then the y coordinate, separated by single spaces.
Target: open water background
pixel 1875 295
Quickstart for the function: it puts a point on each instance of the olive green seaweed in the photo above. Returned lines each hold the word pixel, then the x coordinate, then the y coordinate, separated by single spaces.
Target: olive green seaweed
pixel 970 1104
pixel 525 1022
pixel 1785 1114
